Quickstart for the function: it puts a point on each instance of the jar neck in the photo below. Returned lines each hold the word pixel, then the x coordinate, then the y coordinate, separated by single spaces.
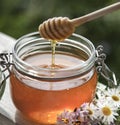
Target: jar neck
pixel 76 46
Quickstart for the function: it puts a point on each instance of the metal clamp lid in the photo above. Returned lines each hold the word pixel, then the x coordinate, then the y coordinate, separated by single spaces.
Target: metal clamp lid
pixel 103 69
pixel 5 63
pixel 2 84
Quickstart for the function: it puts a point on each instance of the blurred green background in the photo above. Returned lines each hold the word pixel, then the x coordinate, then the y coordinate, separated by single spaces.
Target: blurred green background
pixel 19 17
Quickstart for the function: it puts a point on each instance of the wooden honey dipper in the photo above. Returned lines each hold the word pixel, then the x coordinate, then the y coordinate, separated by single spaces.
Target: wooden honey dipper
pixel 59 28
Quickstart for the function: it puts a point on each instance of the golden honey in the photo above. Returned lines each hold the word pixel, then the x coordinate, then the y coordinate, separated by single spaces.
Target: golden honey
pixel 40 92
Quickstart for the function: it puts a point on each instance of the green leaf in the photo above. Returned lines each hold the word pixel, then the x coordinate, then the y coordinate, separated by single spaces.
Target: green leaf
pixel 118 118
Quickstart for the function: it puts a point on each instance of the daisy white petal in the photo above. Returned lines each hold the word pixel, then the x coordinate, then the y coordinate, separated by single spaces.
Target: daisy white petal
pixel 107 113
pixel 114 96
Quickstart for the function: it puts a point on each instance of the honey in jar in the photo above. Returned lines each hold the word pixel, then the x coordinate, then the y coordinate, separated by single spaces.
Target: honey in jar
pixel 41 90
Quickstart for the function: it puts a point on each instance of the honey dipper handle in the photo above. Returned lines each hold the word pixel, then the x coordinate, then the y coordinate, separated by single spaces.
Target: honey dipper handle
pixel 96 14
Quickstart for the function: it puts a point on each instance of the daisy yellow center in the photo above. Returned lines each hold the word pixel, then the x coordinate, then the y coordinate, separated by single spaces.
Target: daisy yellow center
pixel 115 98
pixel 90 111
pixel 65 120
pixel 106 111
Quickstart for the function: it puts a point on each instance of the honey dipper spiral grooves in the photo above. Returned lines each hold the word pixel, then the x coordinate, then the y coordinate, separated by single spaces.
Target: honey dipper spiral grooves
pixel 57 28
pixel 60 28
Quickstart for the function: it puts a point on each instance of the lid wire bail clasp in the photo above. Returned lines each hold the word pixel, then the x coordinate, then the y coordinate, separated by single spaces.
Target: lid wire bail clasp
pixel 103 69
pixel 5 64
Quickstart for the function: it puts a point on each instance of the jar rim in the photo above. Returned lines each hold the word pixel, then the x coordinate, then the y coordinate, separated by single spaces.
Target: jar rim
pixel 89 63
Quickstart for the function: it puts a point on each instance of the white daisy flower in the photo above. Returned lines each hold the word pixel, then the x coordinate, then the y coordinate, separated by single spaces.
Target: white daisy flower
pixel 91 109
pixel 107 112
pixel 114 96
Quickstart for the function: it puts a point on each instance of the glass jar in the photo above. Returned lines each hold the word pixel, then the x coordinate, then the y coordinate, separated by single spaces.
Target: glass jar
pixel 40 92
